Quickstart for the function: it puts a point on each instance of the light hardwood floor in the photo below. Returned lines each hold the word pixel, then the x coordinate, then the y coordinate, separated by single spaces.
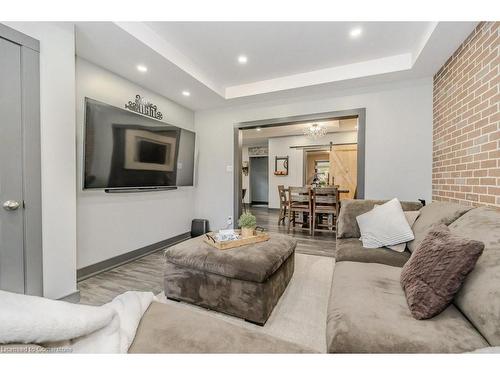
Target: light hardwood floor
pixel 146 274
pixel 320 244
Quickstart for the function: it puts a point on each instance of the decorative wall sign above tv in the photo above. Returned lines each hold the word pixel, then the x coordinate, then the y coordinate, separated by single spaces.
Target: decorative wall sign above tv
pixel 144 107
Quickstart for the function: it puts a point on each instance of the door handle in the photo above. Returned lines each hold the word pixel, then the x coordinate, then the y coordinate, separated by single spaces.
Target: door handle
pixel 10 205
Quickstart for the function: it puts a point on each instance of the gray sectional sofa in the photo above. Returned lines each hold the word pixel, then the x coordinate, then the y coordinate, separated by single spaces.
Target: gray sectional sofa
pixel 167 328
pixel 368 312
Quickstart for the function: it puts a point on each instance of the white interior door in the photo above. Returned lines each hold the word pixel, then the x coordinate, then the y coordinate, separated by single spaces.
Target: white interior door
pixel 12 272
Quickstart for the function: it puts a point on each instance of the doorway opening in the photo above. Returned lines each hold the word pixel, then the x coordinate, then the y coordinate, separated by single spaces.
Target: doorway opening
pixel 317 168
pixel 296 156
pixel 259 181
pixel 335 165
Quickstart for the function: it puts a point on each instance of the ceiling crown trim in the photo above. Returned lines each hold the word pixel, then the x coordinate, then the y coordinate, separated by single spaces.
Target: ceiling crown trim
pixel 338 73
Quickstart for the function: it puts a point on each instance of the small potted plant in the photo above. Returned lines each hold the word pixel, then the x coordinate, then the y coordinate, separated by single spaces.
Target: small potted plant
pixel 247 222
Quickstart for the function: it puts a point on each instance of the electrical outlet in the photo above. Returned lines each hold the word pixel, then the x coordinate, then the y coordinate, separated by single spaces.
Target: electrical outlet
pixel 229 220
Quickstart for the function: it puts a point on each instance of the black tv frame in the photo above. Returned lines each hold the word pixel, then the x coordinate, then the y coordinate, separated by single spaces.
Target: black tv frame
pixel 134 189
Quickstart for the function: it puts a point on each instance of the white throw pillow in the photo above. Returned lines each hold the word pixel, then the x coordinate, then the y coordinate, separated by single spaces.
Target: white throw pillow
pixel 411 217
pixel 385 225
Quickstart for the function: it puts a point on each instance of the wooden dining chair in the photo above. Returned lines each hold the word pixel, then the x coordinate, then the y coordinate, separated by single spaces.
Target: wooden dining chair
pixel 299 206
pixel 325 205
pixel 283 204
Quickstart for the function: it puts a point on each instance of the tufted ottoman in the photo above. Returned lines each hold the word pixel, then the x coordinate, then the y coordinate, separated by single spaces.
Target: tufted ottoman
pixel 246 281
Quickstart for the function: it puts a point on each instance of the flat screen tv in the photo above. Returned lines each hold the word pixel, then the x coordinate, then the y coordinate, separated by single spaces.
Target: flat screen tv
pixel 125 150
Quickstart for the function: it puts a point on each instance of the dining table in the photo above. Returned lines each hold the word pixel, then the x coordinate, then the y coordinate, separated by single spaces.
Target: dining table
pixel 340 190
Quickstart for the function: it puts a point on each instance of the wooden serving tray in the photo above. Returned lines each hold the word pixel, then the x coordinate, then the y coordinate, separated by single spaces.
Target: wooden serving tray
pixel 225 245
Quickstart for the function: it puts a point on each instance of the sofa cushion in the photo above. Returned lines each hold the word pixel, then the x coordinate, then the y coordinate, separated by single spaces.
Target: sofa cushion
pixel 347 226
pixel 479 298
pixel 351 249
pixel 434 213
pixel 167 328
pixel 437 269
pixel 255 262
pixel 368 313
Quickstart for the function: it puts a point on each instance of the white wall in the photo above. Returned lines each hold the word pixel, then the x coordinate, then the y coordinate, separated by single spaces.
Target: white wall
pixel 280 146
pixel 398 158
pixel 113 224
pixel 57 111
pixel 245 180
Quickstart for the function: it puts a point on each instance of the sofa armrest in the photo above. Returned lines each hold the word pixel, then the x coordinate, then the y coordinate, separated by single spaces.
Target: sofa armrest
pixel 347 226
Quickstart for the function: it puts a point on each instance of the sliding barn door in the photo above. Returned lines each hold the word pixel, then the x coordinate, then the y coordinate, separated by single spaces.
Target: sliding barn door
pixel 344 169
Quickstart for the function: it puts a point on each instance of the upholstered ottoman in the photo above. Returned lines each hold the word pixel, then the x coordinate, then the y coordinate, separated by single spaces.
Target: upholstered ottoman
pixel 246 281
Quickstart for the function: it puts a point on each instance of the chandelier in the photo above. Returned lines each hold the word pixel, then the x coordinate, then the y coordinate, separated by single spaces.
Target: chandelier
pixel 315 131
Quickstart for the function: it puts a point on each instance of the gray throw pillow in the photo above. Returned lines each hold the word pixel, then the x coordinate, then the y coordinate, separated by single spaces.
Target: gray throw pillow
pixel 437 269
pixel 434 213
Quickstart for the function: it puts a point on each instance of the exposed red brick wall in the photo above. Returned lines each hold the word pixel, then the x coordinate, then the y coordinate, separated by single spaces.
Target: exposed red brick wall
pixel 466 145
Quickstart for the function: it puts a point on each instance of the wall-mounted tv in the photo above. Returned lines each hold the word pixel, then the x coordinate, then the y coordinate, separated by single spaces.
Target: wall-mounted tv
pixel 125 150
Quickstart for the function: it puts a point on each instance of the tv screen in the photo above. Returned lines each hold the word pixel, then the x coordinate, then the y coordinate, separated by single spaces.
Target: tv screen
pixel 126 150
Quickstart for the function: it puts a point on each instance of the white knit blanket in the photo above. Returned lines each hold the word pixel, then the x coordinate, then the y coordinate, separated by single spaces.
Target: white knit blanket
pixel 109 328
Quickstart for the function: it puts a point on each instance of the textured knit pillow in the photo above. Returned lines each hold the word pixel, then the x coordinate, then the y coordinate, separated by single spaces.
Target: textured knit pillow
pixel 411 216
pixel 385 225
pixel 437 269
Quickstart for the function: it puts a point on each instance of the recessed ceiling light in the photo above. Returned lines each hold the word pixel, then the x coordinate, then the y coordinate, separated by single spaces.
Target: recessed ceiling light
pixel 142 68
pixel 242 59
pixel 356 32
pixel 258 129
pixel 186 93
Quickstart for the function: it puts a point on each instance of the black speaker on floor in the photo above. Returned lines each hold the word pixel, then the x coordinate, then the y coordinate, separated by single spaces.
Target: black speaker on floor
pixel 199 227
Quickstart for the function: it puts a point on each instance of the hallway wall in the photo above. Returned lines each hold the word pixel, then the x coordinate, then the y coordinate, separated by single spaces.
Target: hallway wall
pixel 113 224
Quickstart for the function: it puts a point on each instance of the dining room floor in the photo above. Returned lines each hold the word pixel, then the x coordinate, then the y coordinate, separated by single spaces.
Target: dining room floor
pixel 321 243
